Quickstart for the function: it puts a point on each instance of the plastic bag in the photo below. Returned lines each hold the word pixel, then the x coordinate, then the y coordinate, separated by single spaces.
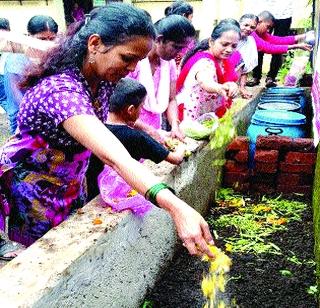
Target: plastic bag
pixel 117 194
pixel 200 128
pixel 297 69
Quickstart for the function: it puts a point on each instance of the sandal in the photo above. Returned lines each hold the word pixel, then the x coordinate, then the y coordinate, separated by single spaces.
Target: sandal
pixel 270 83
pixel 7 246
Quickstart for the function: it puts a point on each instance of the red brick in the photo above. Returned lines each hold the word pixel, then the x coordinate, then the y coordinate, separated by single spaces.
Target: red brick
pixel 239 144
pixel 296 168
pixel 273 142
pixel 230 154
pixel 270 156
pixel 265 167
pixel 302 158
pixel 295 179
pixel 242 156
pixel 233 166
pixel 303 145
pixel 236 177
pixel 290 179
pixel 262 188
pixel 305 179
pixel 265 178
pixel 302 189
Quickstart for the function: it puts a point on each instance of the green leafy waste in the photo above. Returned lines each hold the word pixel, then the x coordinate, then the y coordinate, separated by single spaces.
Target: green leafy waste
pixel 224 133
pixel 254 222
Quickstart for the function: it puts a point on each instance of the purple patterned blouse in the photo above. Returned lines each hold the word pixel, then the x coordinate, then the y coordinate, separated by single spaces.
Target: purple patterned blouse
pixel 42 168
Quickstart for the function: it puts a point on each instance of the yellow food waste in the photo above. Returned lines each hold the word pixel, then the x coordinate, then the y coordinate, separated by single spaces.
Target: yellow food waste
pixel 215 280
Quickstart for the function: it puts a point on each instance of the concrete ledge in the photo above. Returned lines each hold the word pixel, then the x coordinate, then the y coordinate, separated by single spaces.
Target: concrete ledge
pixel 79 264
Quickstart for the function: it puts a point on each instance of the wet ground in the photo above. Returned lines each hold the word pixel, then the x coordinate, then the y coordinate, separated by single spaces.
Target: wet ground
pixel 255 281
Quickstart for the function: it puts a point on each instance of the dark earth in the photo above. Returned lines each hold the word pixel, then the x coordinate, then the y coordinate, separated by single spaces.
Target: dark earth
pixel 255 281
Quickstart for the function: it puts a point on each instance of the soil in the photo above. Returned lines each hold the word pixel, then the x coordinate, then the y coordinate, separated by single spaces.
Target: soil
pixel 255 281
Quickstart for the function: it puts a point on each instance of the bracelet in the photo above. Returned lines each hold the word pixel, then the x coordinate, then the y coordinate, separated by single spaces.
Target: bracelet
pixel 152 192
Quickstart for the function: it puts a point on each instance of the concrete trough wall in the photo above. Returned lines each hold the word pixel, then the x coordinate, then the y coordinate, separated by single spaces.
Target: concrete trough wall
pixel 112 264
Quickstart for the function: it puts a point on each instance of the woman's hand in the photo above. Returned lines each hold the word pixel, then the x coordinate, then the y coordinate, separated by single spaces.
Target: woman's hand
pixel 231 88
pixel 151 131
pixel 193 230
pixel 221 90
pixel 176 132
pixel 245 93
pixel 303 46
pixel 93 134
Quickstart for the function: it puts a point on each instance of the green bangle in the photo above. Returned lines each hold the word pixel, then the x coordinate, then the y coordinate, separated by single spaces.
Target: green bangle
pixel 152 192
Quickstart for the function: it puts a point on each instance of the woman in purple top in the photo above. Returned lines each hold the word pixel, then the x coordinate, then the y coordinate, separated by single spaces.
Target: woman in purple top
pixel 61 121
pixel 77 12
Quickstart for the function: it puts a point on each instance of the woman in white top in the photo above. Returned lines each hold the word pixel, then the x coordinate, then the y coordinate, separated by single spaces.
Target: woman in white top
pixel 248 50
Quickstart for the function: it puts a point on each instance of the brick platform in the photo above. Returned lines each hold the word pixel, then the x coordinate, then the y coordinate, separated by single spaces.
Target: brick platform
pixel 281 164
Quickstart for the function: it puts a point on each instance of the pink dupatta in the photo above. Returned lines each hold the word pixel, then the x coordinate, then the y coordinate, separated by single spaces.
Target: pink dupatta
pixel 229 74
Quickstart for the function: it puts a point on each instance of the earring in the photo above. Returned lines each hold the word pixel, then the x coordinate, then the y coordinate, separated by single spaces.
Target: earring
pixel 91 58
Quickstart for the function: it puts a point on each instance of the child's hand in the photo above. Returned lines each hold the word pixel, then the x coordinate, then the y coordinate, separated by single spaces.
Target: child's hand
pixel 171 144
pixel 177 151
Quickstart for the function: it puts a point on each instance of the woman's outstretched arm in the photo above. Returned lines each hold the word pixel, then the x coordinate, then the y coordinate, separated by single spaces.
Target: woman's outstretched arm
pixel 91 133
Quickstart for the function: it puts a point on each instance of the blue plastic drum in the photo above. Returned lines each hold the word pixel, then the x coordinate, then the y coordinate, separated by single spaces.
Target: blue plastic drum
pixel 279 105
pixel 286 93
pixel 272 122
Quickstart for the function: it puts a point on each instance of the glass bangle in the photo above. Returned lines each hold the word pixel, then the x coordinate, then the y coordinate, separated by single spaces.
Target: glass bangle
pixel 152 192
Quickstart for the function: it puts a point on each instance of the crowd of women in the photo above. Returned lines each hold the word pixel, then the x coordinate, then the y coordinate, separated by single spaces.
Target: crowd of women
pixel 57 100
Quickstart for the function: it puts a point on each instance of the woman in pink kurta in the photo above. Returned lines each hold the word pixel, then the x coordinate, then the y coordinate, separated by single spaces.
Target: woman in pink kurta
pixel 158 85
pixel 267 43
pixel 158 74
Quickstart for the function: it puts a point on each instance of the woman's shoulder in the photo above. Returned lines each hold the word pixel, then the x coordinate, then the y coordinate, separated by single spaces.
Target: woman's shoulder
pixel 68 80
pixel 203 64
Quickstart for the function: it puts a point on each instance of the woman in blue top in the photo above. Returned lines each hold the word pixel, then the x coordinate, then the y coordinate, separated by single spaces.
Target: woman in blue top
pixel 43 28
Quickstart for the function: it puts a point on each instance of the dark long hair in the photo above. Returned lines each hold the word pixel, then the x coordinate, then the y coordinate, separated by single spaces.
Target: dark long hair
pixel 175 28
pixel 115 23
pixel 219 29
pixel 179 8
pixel 41 23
